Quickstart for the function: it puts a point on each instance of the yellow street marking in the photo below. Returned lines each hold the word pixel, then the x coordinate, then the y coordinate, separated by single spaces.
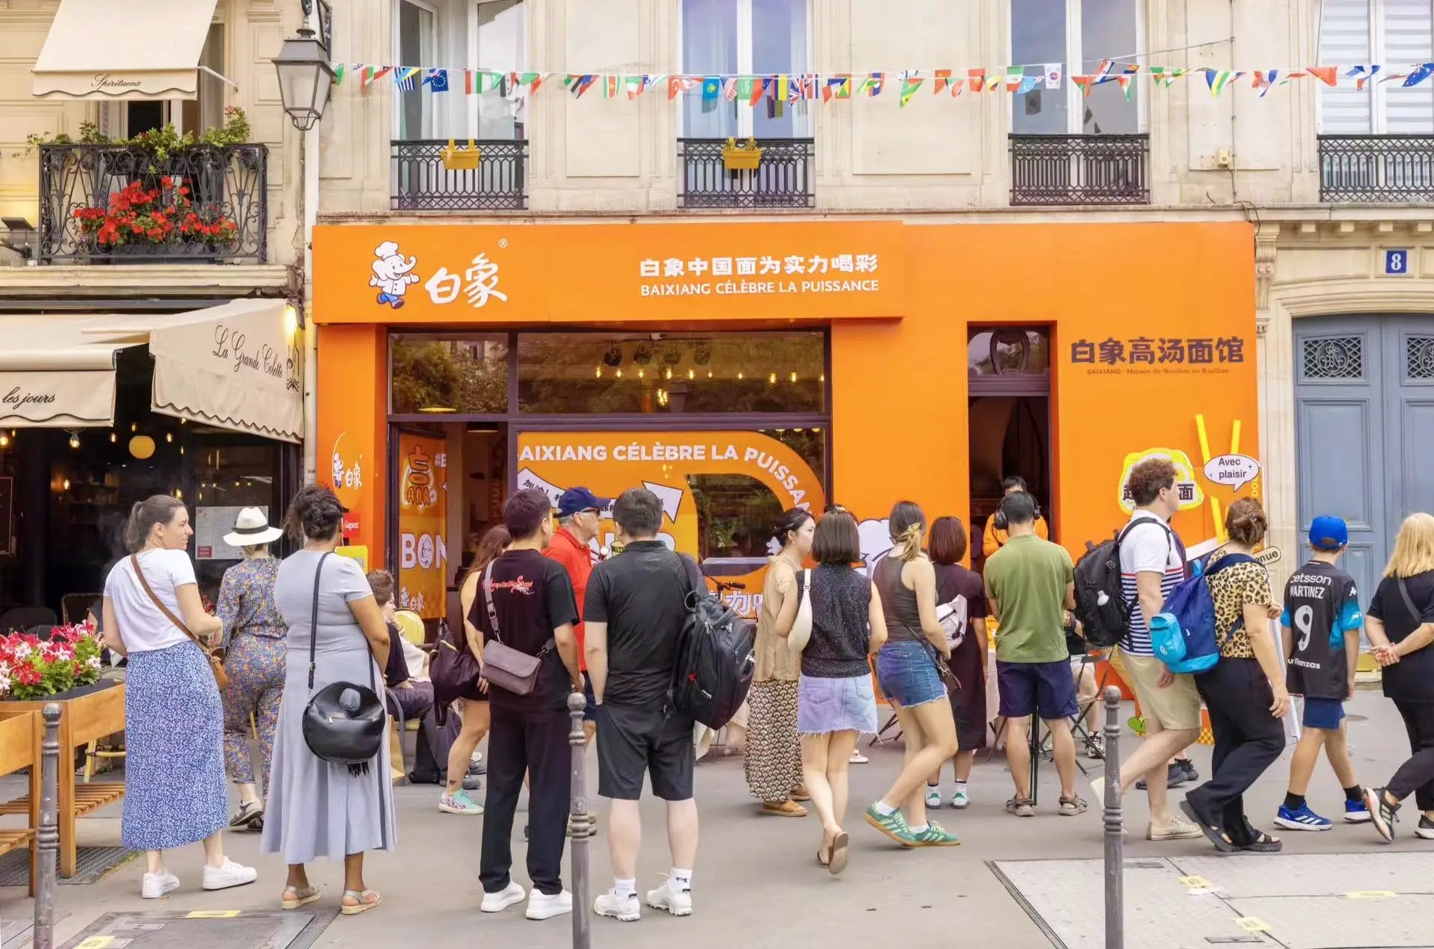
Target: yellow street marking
pixel 1371 895
pixel 1252 925
pixel 1195 881
pixel 96 942
pixel 213 914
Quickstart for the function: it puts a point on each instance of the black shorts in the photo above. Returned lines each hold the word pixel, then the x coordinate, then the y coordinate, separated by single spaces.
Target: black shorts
pixel 631 742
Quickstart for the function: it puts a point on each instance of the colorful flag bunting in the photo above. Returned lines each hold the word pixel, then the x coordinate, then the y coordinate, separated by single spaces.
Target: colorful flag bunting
pixel 1084 83
pixel 1362 75
pixel 677 85
pixel 729 89
pixel 1422 72
pixel 872 84
pixel 976 78
pixel 838 87
pixel 1102 72
pixel 403 77
pixel 338 74
pixel 436 80
pixel 578 84
pixel 1327 74
pixel 910 85
pixel 1053 75
pixel 711 88
pixel 1125 85
pixel 941 78
pixel 1015 78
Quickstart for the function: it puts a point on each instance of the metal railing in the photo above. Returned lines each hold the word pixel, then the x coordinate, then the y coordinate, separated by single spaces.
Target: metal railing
pixel 423 182
pixel 1079 169
pixel 1391 169
pixel 226 190
pixel 786 177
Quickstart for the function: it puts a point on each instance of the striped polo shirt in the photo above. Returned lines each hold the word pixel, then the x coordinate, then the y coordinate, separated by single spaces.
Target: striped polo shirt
pixel 1147 548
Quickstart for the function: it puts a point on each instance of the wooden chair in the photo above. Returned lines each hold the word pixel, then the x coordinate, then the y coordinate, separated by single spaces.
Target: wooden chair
pixel 74 607
pixel 20 740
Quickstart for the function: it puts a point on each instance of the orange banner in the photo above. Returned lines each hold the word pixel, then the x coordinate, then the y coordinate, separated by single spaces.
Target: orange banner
pixel 422 524
pixel 608 463
pixel 631 273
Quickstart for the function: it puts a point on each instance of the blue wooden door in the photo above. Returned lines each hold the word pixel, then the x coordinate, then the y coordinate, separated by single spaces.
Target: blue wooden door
pixel 1409 354
pixel 1340 434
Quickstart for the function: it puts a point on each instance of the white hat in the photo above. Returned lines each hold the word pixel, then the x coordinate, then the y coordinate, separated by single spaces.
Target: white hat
pixel 251 529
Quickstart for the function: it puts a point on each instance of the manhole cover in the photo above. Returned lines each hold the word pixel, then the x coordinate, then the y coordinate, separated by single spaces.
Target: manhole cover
pixel 221 929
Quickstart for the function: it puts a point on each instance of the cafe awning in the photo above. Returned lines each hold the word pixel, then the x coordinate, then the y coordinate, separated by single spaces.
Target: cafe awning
pixel 124 49
pixel 237 366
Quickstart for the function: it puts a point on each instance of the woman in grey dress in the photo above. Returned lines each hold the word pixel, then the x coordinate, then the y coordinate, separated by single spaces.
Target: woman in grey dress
pixel 316 808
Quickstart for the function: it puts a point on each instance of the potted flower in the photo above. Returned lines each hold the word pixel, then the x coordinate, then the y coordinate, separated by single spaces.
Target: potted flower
pixel 143 220
pixel 34 668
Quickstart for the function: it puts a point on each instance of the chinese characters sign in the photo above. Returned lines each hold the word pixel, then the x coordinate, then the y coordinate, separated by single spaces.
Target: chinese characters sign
pixel 423 524
pixel 1186 487
pixel 393 274
pixel 1162 354
pixel 745 276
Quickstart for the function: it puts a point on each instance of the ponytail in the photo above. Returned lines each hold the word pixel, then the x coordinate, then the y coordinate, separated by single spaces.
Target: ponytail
pixel 907 526
pixel 158 509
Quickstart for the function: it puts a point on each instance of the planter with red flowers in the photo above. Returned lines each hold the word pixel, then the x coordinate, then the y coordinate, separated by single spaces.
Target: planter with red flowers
pixel 159 221
pixel 35 667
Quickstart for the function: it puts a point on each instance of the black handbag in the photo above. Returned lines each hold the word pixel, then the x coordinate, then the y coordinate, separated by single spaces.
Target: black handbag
pixel 344 723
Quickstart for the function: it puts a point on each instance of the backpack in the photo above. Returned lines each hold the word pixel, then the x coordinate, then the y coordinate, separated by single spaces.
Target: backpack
pixel 715 660
pixel 1189 616
pixel 952 617
pixel 1101 606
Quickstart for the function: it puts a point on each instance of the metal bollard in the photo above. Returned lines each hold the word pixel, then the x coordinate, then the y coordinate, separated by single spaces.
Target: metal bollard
pixel 48 833
pixel 580 828
pixel 1114 821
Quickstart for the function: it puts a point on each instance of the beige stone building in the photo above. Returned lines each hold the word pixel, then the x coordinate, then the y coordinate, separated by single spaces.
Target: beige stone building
pixel 1336 184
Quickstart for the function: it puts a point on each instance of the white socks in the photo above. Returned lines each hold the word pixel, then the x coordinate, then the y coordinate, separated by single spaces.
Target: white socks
pixel 680 880
pixel 881 808
pixel 624 889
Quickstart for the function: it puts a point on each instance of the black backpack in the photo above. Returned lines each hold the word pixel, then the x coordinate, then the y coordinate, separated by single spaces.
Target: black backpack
pixel 715 660
pixel 1101 606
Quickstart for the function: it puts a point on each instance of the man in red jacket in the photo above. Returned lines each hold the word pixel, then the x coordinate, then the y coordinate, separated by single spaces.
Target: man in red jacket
pixel 579 517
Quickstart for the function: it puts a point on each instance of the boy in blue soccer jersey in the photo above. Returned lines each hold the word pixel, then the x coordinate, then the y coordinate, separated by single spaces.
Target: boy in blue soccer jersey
pixel 1322 623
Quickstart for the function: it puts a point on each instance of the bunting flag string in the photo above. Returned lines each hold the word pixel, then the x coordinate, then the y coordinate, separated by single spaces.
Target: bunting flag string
pixel 778 90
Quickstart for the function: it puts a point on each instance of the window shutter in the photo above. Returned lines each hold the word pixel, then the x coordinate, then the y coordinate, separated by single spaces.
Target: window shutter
pixel 1407 39
pixel 1345 41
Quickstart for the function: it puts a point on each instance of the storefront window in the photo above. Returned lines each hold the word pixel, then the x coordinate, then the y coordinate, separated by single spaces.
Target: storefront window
pixel 1008 351
pixel 447 375
pixel 676 374
pixel 736 512
pixel 227 478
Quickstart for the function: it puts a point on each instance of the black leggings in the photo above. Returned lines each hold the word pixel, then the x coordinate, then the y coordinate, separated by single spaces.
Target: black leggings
pixel 1416 776
pixel 1248 739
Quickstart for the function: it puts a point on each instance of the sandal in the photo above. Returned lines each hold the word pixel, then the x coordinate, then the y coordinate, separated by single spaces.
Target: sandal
pixel 838 854
pixel 367 900
pixel 1263 843
pixel 1021 806
pixel 824 859
pixel 303 896
pixel 1215 835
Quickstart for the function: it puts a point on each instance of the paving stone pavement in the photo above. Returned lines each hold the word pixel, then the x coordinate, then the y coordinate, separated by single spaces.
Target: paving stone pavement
pixel 757 882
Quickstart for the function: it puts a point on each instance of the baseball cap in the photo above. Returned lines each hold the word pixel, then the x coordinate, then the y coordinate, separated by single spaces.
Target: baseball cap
pixel 574 500
pixel 1328 533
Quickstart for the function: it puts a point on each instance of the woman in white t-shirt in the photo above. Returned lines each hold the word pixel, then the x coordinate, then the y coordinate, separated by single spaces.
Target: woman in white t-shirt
pixel 174 722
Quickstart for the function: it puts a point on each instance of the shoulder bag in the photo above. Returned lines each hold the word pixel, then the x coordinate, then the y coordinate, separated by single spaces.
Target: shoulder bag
pixel 344 722
pixel 1409 603
pixel 216 663
pixel 801 633
pixel 453 670
pixel 504 666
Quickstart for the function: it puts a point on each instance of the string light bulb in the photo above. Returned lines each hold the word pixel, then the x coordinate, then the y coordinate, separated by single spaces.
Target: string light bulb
pixel 598 373
pixel 793 377
pixel 4 440
pixel 822 377
pixel 740 374
pixel 771 378
pixel 113 438
pixel 67 484
pixel 642 373
pixel 667 373
pixel 133 427
pixel 74 440
pixel 709 373
pixel 692 373
pixel 169 437
pixel 619 373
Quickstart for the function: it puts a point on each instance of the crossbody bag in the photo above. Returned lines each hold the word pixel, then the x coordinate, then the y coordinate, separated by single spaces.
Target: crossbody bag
pixel 216 663
pixel 504 666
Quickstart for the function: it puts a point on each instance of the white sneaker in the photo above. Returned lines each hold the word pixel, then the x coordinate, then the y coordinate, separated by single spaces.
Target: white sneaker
pixel 156 885
pixel 497 902
pixel 230 874
pixel 543 906
pixel 677 902
pixel 933 796
pixel 960 799
pixel 624 909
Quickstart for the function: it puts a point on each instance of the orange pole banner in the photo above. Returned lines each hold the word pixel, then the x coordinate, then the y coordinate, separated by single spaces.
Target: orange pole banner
pixel 422 524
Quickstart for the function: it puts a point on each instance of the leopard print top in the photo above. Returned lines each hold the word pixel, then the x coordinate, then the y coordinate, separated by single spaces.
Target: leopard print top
pixel 1232 589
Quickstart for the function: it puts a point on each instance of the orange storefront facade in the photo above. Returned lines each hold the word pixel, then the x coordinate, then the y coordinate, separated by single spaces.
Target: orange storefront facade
pixel 740 368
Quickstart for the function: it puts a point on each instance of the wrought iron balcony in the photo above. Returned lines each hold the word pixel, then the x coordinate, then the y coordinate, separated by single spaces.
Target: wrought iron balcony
pixel 1389 169
pixel 784 178
pixel 1079 169
pixel 427 176
pixel 113 204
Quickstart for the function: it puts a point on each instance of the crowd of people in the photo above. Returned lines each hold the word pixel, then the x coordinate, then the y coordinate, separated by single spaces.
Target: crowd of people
pixel 544 618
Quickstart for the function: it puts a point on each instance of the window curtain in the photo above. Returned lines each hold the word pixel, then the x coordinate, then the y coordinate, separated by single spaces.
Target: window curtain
pixel 1407 39
pixel 416 31
pixel 779 46
pixel 1345 38
pixel 1038 35
pixel 1109 28
pixel 709 48
pixel 502 41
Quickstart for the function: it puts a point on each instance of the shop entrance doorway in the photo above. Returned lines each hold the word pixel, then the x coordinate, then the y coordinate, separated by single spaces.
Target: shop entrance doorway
pixel 1009 419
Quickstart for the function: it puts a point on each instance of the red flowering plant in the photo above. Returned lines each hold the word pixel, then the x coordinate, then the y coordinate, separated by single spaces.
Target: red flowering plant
pixel 163 215
pixel 32 668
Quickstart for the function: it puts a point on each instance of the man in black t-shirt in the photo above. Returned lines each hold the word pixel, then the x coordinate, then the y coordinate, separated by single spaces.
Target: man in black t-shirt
pixel 525 601
pixel 636 607
pixel 1321 622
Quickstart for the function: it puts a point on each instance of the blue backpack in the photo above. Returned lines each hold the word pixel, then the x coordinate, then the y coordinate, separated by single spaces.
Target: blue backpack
pixel 1183 635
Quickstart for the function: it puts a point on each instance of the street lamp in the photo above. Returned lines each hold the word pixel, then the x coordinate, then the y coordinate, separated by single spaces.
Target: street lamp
pixel 305 78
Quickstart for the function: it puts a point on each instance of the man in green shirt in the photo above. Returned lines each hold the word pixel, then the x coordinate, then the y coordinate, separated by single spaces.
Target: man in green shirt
pixel 1030 584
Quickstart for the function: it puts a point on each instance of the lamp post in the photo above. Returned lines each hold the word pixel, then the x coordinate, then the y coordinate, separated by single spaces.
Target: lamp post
pixel 305 81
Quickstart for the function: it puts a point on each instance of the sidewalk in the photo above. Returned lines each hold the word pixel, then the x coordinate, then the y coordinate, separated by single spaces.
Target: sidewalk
pixel 756 878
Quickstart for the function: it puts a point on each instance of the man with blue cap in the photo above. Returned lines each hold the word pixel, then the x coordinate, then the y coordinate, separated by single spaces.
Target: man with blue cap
pixel 1322 623
pixel 579 519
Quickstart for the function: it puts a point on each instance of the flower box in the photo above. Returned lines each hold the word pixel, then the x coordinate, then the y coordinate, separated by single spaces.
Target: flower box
pixel 33 668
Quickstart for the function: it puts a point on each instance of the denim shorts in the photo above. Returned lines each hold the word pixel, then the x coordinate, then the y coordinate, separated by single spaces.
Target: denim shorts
pixel 825 706
pixel 908 675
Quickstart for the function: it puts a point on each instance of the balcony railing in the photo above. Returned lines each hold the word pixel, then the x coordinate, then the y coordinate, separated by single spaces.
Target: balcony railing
pixel 219 191
pixel 1079 169
pixel 424 181
pixel 1391 169
pixel 785 178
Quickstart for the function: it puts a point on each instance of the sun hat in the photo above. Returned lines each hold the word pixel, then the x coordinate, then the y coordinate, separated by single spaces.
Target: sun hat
pixel 251 529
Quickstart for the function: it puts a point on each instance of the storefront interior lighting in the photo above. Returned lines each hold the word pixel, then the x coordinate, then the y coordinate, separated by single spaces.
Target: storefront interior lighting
pixel 642 373
pixel 141 447
pixel 771 378
pixel 113 438
pixel 667 373
pixel 74 440
pixel 619 373
pixel 598 373
pixel 692 373
pixel 67 484
pixel 740 375
pixel 793 377
pixel 169 438
pixel 133 426
pixel 4 440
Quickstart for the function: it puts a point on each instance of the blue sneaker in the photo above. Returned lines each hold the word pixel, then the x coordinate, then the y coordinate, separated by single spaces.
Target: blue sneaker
pixel 1355 812
pixel 1302 819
